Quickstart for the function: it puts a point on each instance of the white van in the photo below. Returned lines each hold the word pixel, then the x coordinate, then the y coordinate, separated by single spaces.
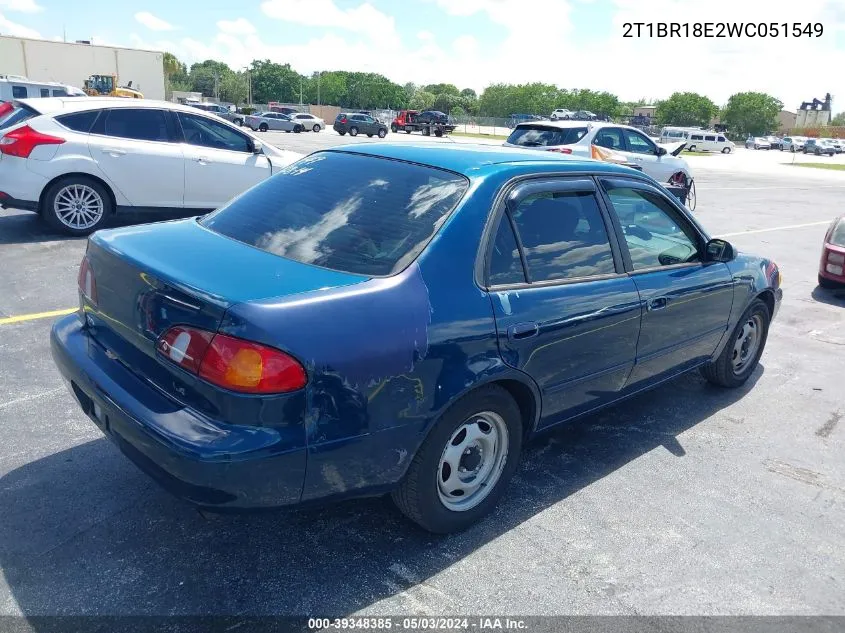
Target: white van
pixel 676 134
pixel 16 87
pixel 708 141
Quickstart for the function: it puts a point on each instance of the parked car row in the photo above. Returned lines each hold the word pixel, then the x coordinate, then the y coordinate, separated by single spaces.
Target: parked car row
pixel 806 145
pixel 357 123
pixel 294 122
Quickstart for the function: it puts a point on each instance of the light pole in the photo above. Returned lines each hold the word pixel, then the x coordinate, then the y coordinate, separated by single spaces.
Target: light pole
pixel 248 85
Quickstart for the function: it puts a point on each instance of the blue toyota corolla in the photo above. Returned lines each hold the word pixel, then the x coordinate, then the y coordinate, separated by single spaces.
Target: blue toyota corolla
pixel 399 318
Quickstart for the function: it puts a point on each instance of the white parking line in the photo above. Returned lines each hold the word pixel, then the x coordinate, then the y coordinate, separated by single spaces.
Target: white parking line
pixel 766 188
pixel 776 228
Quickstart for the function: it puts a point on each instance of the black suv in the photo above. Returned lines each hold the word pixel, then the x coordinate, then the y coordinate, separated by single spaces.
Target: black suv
pixel 355 123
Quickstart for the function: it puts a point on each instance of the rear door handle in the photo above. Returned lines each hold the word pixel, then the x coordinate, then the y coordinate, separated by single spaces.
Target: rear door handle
pixel 658 303
pixel 202 160
pixel 523 330
pixel 114 151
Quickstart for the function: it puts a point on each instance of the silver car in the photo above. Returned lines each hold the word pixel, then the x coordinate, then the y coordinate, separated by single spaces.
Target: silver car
pixel 309 121
pixel 264 121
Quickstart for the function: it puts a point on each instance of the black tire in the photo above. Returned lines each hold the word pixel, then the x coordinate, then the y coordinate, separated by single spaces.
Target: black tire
pixel 48 208
pixel 426 131
pixel 438 133
pixel 829 284
pixel 353 131
pixel 721 371
pixel 342 133
pixel 792 148
pixel 394 128
pixel 417 496
pixel 263 127
pixel 298 128
pixel 382 133
pixel 726 150
pixel 407 131
pixel 691 148
pixel 316 128
pixel 756 147
pixel 238 122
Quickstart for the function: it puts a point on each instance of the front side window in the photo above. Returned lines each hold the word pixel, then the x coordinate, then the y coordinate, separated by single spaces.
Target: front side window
pixel 208 133
pixel 721 139
pixel 637 143
pixel 545 136
pixel 313 212
pixel 654 233
pixel 143 124
pixel 563 236
pixel 45 92
pixel 60 93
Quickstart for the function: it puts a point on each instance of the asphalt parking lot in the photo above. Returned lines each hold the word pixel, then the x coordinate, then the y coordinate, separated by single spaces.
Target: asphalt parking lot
pixel 688 500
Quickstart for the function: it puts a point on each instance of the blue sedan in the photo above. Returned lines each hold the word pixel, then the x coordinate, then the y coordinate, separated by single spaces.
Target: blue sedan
pixel 399 319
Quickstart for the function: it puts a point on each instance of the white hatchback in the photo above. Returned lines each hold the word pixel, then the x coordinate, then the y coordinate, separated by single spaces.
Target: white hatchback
pixel 78 161
pixel 591 139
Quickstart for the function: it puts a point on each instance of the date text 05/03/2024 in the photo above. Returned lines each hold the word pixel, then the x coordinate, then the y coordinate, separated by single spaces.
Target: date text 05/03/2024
pixel 723 29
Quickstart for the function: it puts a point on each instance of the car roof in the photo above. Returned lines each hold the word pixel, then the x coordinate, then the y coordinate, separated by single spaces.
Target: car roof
pixel 468 159
pixel 48 105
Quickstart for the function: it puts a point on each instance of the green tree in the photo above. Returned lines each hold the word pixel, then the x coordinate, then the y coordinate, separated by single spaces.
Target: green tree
pixel 175 75
pixel 275 82
pixel 839 119
pixel 440 89
pixel 751 113
pixel 422 100
pixel 685 109
pixel 234 88
pixel 469 93
pixel 206 77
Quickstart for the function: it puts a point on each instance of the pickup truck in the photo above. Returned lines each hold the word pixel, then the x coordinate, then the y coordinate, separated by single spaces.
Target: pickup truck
pixel 428 122
pixel 222 111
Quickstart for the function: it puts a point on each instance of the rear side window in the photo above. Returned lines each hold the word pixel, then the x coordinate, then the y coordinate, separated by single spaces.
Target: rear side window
pixel 60 93
pixel 505 263
pixel 79 121
pixel 19 92
pixel 356 214
pixel 696 137
pixel 563 236
pixel 140 125
pixel 543 135
pixel 45 92
pixel 709 138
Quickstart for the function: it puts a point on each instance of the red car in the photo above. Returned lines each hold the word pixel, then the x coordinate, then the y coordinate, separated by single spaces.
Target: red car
pixel 832 265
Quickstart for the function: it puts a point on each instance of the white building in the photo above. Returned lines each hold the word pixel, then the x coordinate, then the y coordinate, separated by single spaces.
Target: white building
pixel 72 64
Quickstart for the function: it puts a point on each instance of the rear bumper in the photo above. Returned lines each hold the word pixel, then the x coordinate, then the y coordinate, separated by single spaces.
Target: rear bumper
pixel 7 202
pixel 200 460
pixel 22 186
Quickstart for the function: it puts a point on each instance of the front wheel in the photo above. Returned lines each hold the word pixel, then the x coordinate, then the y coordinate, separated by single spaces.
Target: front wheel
pixel 756 147
pixel 353 131
pixel 382 133
pixel 394 128
pixel 691 148
pixel 298 128
pixel 726 150
pixel 464 465
pixel 342 133
pixel 238 122
pixel 77 206
pixel 263 127
pixel 742 353
pixel 407 130
pixel 316 128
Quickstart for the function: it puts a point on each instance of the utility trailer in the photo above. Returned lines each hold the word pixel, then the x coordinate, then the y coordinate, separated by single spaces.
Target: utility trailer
pixel 427 123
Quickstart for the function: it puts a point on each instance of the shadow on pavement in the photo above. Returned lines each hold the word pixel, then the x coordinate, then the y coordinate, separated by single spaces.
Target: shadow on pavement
pixel 833 297
pixel 82 532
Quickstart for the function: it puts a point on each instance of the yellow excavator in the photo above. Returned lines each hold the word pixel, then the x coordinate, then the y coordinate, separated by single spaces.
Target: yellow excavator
pixel 106 86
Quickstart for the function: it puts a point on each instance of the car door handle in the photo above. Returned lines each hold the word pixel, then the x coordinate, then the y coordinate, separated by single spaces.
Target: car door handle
pixel 114 151
pixel 202 160
pixel 658 303
pixel 523 330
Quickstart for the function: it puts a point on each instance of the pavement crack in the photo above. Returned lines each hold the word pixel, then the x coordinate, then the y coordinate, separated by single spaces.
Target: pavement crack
pixel 827 428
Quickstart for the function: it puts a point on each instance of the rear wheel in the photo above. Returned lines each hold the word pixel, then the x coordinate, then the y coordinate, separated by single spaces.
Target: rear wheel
pixel 394 128
pixel 342 133
pixel 263 127
pixel 691 148
pixel 77 205
pixel 238 122
pixel 353 131
pixel 316 128
pixel 465 463
pixel 438 133
pixel 742 353
pixel 407 130
pixel 298 128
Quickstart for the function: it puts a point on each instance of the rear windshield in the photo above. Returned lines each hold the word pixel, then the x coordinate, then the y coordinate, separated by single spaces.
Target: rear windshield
pixel 543 135
pixel 20 114
pixel 357 214
pixel 838 235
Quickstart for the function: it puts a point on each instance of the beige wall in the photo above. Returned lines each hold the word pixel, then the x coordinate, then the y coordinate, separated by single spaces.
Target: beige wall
pixel 43 60
pixel 644 110
pixel 326 112
pixel 786 120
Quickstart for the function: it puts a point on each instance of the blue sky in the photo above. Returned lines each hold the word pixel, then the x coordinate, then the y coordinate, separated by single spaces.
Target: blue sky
pixel 573 43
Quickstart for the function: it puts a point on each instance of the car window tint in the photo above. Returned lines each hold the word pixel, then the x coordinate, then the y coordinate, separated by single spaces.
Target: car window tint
pixel 79 121
pixel 696 137
pixel 654 235
pixel 141 124
pixel 505 263
pixel 45 92
pixel 610 138
pixel 544 136
pixel 637 143
pixel 60 93
pixel 721 139
pixel 19 92
pixel 563 236
pixel 208 133
pixel 18 114
pixel 312 211
pixel 709 138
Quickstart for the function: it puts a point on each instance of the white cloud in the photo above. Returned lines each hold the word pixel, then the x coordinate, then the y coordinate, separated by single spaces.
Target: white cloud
pixel 7 27
pixel 364 19
pixel 425 36
pixel 152 22
pixel 241 26
pixel 21 6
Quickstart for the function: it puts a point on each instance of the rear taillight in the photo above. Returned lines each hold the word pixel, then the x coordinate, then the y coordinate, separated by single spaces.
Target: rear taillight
pixel 343 120
pixel 22 141
pixel 5 108
pixel 560 150
pixel 232 363
pixel 87 282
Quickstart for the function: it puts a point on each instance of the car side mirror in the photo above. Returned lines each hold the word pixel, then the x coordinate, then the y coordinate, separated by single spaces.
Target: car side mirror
pixel 718 250
pixel 662 151
pixel 257 147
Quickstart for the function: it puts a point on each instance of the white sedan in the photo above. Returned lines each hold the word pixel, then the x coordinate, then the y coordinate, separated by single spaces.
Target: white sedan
pixel 757 142
pixel 604 141
pixel 309 121
pixel 78 161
